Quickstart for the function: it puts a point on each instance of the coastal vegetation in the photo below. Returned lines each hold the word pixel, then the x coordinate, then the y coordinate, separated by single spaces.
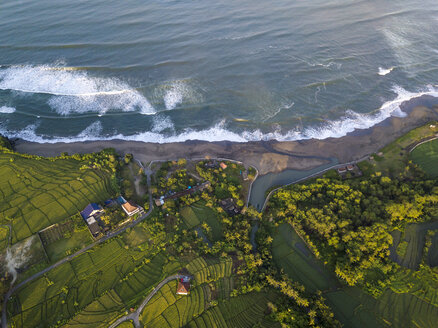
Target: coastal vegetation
pixel 328 252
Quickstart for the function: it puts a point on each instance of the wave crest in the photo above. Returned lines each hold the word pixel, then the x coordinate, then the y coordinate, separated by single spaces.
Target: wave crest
pixel 74 91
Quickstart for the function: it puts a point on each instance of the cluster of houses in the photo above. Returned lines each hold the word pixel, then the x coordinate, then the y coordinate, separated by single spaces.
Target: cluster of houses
pixel 214 164
pixel 350 168
pixel 175 195
pixel 93 211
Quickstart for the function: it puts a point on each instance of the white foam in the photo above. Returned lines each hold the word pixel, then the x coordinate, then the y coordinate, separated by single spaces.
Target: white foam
pixel 219 132
pixel 161 123
pixel 178 92
pixel 7 110
pixel 385 71
pixel 94 130
pixel 74 91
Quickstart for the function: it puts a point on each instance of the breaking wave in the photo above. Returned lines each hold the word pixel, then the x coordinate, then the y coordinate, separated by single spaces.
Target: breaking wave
pixel 6 110
pixel 74 91
pixel 385 71
pixel 159 133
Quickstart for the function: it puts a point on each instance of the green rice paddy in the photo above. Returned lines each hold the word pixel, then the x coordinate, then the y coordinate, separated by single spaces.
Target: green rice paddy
pixel 212 284
pixel 37 193
pixel 197 214
pixel 426 157
pixel 4 237
pixel 92 289
pixel 411 302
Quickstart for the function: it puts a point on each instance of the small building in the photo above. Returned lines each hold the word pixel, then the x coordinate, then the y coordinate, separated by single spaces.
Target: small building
pixel 211 164
pixel 342 170
pixel 130 208
pixel 159 201
pixel 183 286
pixel 110 202
pixel 92 209
pixel 245 175
pixel 229 206
pixel 93 226
pixel 350 167
pixel 223 165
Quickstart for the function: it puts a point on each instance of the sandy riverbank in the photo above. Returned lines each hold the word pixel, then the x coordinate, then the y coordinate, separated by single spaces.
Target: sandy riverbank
pixel 267 156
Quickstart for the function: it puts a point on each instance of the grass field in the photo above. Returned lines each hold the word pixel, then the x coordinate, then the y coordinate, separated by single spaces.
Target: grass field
pixel 197 214
pixel 290 253
pixel 432 255
pixel 396 153
pixel 244 311
pixel 4 237
pixel 126 324
pixel 92 289
pixel 37 193
pixel 426 157
pixel 411 245
pixel 213 281
pixel 65 246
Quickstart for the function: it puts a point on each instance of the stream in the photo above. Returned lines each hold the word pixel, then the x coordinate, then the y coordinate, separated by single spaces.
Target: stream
pixel 267 181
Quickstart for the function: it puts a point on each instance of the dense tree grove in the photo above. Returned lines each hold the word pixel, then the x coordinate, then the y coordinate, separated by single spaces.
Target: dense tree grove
pixel 348 224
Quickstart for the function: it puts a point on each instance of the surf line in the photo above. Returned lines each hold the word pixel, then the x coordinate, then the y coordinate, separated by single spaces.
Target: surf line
pixel 85 94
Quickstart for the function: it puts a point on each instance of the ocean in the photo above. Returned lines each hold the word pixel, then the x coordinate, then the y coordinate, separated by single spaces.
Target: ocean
pixel 167 71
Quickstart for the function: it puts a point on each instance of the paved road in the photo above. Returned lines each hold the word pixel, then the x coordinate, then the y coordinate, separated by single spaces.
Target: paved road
pixel 134 316
pixel 83 250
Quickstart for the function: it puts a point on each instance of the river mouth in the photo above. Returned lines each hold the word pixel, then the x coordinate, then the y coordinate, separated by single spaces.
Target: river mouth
pixel 265 182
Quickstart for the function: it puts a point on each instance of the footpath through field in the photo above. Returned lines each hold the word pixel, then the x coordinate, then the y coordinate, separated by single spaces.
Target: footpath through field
pixel 83 250
pixel 134 316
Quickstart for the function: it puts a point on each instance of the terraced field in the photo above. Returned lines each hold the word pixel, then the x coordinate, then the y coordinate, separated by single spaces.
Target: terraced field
pixel 244 311
pixel 4 237
pixel 37 193
pixel 92 289
pixel 212 281
pixel 426 157
pixel 415 235
pixel 292 255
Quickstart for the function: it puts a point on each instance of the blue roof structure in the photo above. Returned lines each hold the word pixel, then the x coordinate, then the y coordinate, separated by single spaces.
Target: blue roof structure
pixel 121 200
pixel 89 209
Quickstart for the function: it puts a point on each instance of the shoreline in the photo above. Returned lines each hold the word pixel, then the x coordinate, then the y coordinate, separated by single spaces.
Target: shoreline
pixel 267 156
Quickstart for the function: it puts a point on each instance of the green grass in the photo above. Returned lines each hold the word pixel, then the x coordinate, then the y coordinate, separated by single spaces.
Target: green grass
pixel 432 255
pixel 426 157
pixel 4 237
pixel 290 253
pixel 213 281
pixel 396 153
pixel 94 288
pixel 406 310
pixel 126 324
pixel 66 246
pixel 37 193
pixel 136 236
pixel 414 237
pixel 197 214
pixel 189 217
pixel 243 311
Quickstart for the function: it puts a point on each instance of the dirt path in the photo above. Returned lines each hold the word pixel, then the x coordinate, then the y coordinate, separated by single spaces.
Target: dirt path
pixel 135 316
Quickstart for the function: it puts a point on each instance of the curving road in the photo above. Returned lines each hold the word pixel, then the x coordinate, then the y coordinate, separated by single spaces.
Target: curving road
pixel 134 316
pixel 83 250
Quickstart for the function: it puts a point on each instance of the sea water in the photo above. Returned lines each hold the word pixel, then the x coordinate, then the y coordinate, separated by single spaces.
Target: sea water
pixel 165 71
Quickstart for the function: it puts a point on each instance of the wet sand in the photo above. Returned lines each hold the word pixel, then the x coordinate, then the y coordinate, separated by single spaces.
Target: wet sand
pixel 266 156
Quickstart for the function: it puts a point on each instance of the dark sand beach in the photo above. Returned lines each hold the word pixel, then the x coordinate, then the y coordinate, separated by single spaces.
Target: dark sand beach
pixel 266 156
